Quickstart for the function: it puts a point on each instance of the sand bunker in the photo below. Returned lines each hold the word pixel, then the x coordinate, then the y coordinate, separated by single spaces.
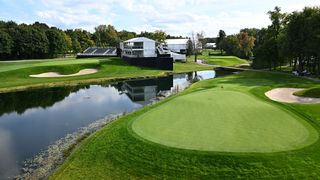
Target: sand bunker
pixel 55 74
pixel 286 95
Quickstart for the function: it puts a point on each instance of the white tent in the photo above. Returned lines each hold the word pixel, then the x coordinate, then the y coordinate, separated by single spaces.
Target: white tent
pixel 177 45
pixel 210 45
pixel 139 47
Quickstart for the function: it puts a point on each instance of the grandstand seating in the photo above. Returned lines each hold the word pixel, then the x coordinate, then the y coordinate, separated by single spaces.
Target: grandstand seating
pixel 89 50
pixel 97 51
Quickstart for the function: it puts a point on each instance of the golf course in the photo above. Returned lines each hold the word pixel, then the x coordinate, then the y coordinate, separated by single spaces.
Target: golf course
pixel 15 75
pixel 219 128
pixel 159 90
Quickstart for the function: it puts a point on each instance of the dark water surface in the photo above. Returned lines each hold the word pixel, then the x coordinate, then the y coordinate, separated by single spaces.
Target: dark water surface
pixel 32 120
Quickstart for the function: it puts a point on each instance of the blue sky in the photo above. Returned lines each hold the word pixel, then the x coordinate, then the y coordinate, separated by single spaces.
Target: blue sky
pixel 176 17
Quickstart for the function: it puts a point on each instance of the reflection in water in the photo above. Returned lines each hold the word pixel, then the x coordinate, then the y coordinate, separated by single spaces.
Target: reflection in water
pixel 146 91
pixel 20 101
pixel 32 120
pixel 8 164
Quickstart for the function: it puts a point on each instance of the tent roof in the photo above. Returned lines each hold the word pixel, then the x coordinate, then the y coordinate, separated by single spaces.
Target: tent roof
pixel 177 41
pixel 140 39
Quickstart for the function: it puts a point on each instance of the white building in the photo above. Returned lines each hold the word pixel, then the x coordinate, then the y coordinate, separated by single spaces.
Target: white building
pixel 139 47
pixel 177 45
pixel 142 47
pixel 210 45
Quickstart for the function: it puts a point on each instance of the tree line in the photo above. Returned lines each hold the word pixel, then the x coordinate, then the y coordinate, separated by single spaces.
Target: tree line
pixel 292 39
pixel 240 44
pixel 38 40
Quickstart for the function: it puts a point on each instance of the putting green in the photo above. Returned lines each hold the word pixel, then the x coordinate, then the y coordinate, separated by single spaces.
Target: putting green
pixel 225 121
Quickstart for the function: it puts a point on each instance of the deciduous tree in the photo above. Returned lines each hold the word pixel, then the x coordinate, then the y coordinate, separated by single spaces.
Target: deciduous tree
pixel 220 38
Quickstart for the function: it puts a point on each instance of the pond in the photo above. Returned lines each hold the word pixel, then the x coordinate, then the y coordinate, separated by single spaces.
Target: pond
pixel 32 120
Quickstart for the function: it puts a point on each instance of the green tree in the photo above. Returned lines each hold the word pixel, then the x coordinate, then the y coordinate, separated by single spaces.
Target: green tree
pixel 84 38
pixel 219 39
pixel 126 35
pixel 251 31
pixel 276 18
pixel 264 50
pixel 57 42
pixel 6 43
pixel 39 43
pixel 189 47
pixel 30 42
pixel 106 36
pixel 68 42
pixel 146 34
pixel 76 46
pixel 231 45
pixel 267 51
pixel 159 36
pixel 304 41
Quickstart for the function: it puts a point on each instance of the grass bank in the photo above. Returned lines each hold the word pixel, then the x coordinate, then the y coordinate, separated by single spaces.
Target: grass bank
pixel 15 75
pixel 312 92
pixel 218 59
pixel 117 151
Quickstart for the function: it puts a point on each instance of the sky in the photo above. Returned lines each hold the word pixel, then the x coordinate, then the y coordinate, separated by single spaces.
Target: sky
pixel 175 17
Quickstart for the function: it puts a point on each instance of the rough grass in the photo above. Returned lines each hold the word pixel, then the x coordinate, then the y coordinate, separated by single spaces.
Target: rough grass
pixel 115 152
pixel 15 75
pixel 312 92
pixel 224 120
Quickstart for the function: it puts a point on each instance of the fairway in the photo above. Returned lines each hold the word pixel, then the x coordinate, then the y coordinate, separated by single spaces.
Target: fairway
pixel 224 60
pixel 225 121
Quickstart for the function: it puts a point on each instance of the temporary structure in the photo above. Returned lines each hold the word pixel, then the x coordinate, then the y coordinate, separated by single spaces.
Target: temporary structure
pixel 139 47
pixel 177 45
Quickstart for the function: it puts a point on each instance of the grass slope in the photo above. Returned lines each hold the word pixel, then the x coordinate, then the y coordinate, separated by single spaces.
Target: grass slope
pixel 115 152
pixel 223 60
pixel 312 92
pixel 15 75
pixel 224 120
pixel 219 60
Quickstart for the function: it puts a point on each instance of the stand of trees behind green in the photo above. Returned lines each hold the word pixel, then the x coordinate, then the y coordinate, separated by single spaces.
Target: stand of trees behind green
pixel 292 39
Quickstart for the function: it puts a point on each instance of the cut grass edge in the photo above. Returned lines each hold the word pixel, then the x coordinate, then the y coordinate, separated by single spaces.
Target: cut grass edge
pixel 311 93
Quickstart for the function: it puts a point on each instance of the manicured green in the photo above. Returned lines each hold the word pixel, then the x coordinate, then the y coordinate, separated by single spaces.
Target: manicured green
pixel 15 75
pixel 312 92
pixel 117 152
pixel 226 121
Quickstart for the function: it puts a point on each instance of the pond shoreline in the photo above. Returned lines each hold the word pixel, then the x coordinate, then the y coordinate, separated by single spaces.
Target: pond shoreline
pixel 86 82
pixel 44 163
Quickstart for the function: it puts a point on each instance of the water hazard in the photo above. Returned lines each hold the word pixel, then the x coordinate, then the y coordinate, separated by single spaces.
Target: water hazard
pixel 32 120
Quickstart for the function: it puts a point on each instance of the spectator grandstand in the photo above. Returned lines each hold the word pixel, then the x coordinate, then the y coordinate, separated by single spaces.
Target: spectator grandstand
pixel 98 52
